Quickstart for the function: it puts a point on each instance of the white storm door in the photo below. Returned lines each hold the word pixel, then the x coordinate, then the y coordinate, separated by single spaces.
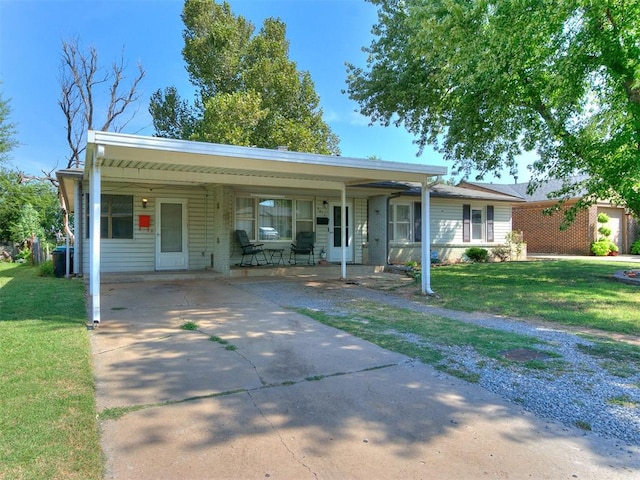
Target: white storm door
pixel 171 235
pixel 335 233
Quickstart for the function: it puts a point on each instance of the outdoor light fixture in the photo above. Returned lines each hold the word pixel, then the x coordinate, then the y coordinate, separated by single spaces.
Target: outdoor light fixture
pixel 144 203
pixel 325 203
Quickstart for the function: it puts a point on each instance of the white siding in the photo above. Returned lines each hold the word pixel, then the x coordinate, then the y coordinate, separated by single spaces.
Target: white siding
pixel 446 229
pixel 360 225
pixel 138 254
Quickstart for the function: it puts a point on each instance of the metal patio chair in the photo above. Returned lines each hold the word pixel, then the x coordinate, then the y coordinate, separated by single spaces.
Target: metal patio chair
pixel 303 246
pixel 251 250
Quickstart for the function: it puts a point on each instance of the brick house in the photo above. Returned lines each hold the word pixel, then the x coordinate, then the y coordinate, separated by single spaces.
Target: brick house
pixel 542 233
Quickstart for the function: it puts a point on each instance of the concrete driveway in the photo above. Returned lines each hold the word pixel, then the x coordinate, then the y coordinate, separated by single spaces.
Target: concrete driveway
pixel 288 398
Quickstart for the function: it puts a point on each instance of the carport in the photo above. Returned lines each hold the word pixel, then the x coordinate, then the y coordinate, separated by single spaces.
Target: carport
pixel 127 160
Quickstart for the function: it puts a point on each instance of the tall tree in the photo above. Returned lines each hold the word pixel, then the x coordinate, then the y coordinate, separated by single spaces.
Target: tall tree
pixel 487 80
pixel 80 81
pixel 248 91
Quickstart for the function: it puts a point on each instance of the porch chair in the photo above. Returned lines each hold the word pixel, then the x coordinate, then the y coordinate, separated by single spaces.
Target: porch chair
pixel 303 246
pixel 251 250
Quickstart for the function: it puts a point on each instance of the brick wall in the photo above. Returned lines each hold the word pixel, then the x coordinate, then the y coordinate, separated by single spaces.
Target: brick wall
pixel 542 234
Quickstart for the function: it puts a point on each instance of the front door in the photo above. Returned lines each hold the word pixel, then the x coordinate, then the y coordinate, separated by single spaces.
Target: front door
pixel 171 235
pixel 335 233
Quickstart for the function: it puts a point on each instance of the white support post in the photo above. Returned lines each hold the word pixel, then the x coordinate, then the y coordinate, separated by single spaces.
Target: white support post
pixel 94 233
pixel 426 240
pixel 343 230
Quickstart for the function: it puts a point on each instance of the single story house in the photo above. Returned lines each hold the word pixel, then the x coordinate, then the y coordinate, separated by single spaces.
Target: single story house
pixel 148 204
pixel 542 232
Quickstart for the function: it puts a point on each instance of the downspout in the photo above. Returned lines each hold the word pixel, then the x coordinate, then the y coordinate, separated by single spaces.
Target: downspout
pixel 387 241
pixel 94 233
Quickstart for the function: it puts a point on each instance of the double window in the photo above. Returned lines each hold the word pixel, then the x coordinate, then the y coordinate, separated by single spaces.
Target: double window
pixel 269 219
pixel 116 216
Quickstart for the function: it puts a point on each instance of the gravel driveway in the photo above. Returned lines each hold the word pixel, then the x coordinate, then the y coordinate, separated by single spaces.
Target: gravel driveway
pixel 582 394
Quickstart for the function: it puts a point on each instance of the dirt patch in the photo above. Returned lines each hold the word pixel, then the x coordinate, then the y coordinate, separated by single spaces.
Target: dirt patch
pixel 524 355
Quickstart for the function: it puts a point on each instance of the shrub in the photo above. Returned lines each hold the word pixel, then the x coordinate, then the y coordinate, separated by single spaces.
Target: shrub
pixel 604 231
pixel 501 252
pixel 601 248
pixel 477 254
pixel 46 269
pixel 613 247
pixel 603 218
pixel 635 247
pixel 24 255
pixel 515 241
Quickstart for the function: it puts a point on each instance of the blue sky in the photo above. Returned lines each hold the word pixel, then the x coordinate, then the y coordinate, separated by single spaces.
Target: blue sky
pixel 323 35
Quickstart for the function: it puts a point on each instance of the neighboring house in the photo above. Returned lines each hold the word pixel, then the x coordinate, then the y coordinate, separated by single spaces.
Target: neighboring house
pixel 542 233
pixel 460 218
pixel 143 204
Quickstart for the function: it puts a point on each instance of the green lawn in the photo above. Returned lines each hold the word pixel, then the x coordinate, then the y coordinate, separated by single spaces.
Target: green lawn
pixel 48 426
pixel 570 292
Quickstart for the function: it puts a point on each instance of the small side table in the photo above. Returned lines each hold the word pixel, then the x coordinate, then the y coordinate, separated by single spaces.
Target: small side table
pixel 275 256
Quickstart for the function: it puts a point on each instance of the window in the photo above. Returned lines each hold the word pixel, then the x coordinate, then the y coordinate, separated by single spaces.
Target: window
pixel 270 219
pixel 405 222
pixel 116 216
pixel 475 226
pixel 304 216
pixel 274 219
pixel 245 216
pixel 400 223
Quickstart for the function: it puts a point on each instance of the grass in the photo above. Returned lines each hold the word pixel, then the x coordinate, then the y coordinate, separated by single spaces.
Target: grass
pixel 619 359
pixel 623 401
pixel 189 326
pixel 426 337
pixel 48 425
pixel 582 425
pixel 570 292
